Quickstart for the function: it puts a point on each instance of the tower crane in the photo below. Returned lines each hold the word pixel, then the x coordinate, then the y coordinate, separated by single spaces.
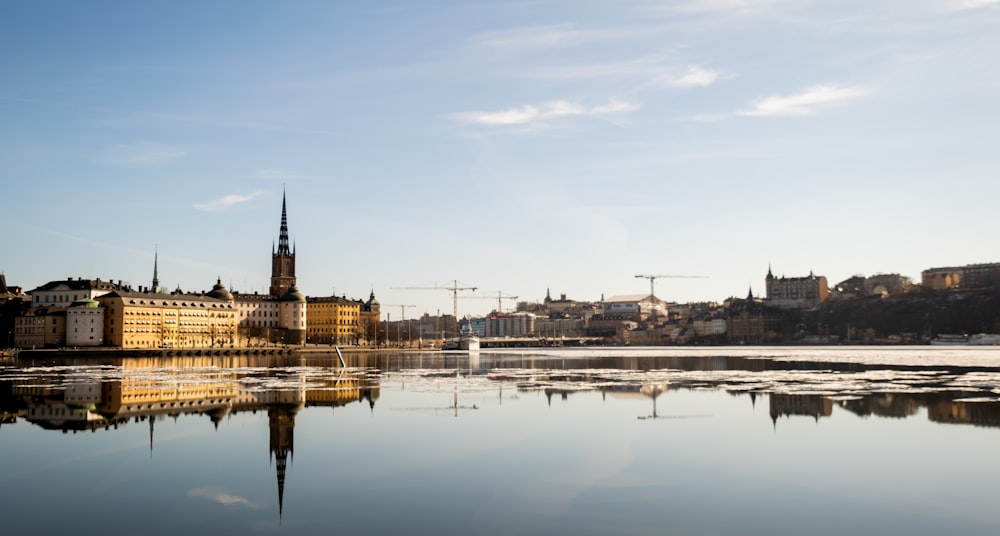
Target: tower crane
pixel 500 296
pixel 454 288
pixel 652 278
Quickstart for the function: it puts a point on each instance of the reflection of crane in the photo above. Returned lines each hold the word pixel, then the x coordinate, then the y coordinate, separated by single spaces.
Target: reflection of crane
pixel 500 296
pixel 652 278
pixel 454 288
pixel 402 313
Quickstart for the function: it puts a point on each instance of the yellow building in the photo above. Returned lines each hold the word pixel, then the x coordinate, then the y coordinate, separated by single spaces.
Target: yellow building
pixel 149 320
pixel 333 320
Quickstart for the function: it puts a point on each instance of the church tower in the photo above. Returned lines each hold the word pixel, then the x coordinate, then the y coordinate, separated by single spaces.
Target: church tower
pixel 155 288
pixel 283 260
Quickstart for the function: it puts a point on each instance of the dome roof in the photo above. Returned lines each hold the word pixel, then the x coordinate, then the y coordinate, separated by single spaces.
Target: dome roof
pixel 293 295
pixel 219 292
pixel 86 302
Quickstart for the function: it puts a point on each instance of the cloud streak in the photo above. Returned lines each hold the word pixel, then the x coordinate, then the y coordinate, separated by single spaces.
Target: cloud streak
pixel 553 36
pixel 532 114
pixel 228 201
pixel 805 102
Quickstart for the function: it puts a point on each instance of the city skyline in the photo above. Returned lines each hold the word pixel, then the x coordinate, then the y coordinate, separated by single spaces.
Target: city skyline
pixel 512 147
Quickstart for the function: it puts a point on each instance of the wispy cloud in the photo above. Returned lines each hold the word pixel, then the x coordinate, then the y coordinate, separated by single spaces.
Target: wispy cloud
pixel 531 114
pixel 554 35
pixel 144 153
pixel 228 201
pixel 222 497
pixel 655 70
pixel 690 77
pixel 728 6
pixel 805 102
pixel 973 4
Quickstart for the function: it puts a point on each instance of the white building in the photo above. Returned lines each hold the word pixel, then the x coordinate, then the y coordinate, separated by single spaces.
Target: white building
pixel 85 323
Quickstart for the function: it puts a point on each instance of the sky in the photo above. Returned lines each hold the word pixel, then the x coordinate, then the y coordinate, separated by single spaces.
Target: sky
pixel 512 146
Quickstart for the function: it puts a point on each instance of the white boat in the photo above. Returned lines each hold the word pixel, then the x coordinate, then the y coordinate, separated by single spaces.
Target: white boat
pixel 468 342
pixel 949 339
pixel 984 339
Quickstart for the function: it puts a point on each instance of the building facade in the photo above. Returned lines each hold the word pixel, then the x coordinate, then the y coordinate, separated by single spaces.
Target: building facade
pixel 333 320
pixel 150 320
pixel 796 292
pixel 85 323
pixel 982 275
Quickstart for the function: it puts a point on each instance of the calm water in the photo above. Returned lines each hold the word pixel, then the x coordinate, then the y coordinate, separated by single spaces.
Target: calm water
pixel 592 441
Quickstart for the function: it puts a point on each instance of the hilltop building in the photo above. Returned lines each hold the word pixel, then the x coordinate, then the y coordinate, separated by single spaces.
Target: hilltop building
pixel 968 276
pixel 796 292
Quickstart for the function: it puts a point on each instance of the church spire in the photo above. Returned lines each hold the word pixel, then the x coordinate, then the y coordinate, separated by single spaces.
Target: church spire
pixel 283 234
pixel 155 287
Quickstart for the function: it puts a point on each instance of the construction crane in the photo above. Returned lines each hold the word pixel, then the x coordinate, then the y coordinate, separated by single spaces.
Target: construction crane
pixel 652 278
pixel 454 288
pixel 402 314
pixel 500 297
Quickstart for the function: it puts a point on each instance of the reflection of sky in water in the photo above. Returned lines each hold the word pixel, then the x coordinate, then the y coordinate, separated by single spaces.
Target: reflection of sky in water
pixel 556 442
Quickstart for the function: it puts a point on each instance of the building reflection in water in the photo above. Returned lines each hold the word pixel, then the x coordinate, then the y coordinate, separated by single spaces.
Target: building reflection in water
pixel 957 403
pixel 139 390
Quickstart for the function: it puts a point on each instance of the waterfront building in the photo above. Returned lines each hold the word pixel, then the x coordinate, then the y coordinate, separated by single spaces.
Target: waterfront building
pixel 258 318
pixel 333 320
pixel 63 293
pixel 560 327
pixel 509 325
pixel 85 323
pixel 281 316
pixel 796 292
pixel 42 327
pixel 150 320
pixel 643 306
pixel 750 321
pixel 370 315
pixel 709 327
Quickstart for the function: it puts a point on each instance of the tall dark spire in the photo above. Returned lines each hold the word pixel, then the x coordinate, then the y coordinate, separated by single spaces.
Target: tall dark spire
pixel 282 261
pixel 283 248
pixel 156 276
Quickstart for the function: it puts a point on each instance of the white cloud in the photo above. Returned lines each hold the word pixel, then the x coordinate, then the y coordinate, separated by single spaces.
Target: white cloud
pixel 729 6
pixel 227 201
pixel 615 106
pixel 973 4
pixel 529 114
pixel 691 77
pixel 653 70
pixel 804 103
pixel 144 153
pixel 555 35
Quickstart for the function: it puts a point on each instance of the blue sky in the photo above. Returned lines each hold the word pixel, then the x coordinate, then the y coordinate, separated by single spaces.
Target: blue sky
pixel 514 146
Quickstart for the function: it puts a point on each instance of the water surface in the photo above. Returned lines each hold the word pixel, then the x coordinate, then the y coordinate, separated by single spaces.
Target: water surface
pixel 585 441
